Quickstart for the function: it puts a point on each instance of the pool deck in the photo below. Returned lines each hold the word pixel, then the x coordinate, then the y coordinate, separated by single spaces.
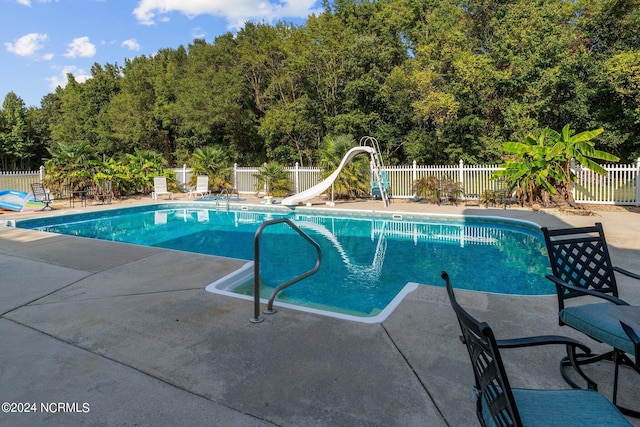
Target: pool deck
pixel 125 335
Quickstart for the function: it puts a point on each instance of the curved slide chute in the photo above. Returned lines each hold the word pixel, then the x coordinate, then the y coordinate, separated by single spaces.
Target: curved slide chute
pixel 324 185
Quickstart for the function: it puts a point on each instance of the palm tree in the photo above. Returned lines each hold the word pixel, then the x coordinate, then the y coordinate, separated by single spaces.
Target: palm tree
pixel 213 162
pixel 274 179
pixel 69 165
pixel 354 178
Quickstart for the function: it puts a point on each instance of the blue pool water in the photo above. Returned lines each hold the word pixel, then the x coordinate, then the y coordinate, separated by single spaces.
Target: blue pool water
pixel 366 260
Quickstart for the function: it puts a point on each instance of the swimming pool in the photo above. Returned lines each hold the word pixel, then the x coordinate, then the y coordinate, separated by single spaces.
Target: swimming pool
pixel 368 261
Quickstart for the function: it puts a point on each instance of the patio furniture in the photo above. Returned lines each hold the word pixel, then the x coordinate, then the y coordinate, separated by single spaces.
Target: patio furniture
pixel 160 188
pixel 83 190
pixel 497 404
pixel 103 191
pixel 627 314
pixel 582 268
pixel 40 194
pixel 202 187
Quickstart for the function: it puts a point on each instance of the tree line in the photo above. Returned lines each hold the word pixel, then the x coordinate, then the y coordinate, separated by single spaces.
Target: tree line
pixel 434 81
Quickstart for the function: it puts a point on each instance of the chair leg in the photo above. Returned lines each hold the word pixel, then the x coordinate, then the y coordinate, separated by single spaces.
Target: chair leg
pixel 619 359
pixel 616 370
pixel 575 361
pixel 616 357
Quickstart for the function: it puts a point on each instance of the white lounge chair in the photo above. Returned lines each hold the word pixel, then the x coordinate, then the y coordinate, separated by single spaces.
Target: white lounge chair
pixel 202 187
pixel 160 187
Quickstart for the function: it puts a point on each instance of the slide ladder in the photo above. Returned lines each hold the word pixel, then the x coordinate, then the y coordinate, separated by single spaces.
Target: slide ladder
pixel 324 185
pixel 379 179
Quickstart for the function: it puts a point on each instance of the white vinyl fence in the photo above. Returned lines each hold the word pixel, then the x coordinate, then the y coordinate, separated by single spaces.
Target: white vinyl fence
pixel 619 186
pixel 20 180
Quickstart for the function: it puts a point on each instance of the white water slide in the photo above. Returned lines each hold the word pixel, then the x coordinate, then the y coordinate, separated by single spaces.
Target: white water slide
pixel 324 185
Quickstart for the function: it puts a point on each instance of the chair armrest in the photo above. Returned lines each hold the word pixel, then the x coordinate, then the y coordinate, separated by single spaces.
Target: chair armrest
pixel 584 291
pixel 542 340
pixel 627 273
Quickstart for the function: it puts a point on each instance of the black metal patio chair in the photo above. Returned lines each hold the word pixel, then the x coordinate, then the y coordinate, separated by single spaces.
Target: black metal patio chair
pixel 104 191
pixel 40 194
pixel 497 404
pixel 582 269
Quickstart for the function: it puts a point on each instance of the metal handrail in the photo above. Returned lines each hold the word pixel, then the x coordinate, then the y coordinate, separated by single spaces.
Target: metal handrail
pixel 224 190
pixel 256 268
pixel 377 165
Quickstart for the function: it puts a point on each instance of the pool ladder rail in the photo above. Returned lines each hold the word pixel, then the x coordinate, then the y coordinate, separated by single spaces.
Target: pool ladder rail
pixel 228 199
pixel 256 268
pixel 377 167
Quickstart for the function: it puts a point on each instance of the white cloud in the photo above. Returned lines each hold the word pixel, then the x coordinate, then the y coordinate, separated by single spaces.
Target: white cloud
pixel 81 47
pixel 28 2
pixel 79 75
pixel 198 33
pixel 132 44
pixel 236 12
pixel 27 45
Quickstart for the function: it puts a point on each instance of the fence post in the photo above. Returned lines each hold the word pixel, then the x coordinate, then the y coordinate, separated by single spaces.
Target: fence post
pixel 572 167
pixel 414 173
pixel 41 173
pixel 235 176
pixel 461 174
pixel 184 176
pixel 296 177
pixel 638 182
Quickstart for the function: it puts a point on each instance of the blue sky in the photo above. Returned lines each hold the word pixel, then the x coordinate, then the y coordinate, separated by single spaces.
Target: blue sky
pixel 43 40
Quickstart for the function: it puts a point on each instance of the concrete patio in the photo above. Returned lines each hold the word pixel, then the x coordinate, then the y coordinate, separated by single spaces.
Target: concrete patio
pixel 126 335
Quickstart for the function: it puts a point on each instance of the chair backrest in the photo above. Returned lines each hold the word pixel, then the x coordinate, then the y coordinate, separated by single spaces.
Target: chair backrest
pixel 160 184
pixel 495 404
pixel 580 257
pixel 202 183
pixel 104 186
pixel 39 192
pixel 104 189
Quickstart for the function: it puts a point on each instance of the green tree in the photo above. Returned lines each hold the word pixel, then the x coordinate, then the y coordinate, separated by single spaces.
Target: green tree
pixel 16 141
pixel 215 102
pixel 83 108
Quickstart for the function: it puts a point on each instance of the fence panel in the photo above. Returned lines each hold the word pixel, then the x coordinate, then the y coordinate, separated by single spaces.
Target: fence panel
pixel 183 176
pixel 304 178
pixel 244 179
pixel 619 186
pixel 476 179
pixel 18 180
pixel 400 181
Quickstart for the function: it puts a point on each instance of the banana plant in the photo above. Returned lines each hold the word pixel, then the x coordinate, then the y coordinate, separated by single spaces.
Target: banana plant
pixel 543 164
